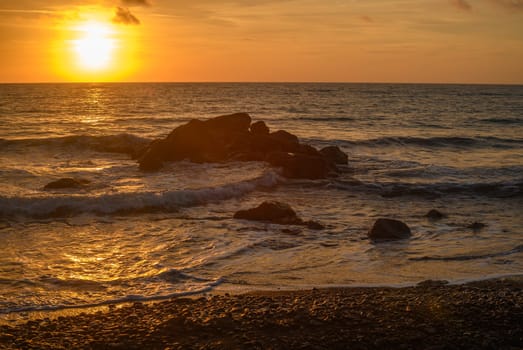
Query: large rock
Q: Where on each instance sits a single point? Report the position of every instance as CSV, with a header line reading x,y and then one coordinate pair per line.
x,y
233,138
197,141
277,213
236,122
389,229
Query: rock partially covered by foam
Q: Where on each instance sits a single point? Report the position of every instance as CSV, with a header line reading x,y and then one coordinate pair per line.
x,y
389,229
277,213
335,155
233,138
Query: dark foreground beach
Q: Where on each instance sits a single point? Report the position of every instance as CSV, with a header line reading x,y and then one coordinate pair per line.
x,y
432,315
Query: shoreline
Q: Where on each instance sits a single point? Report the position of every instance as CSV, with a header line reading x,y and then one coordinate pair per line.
x,y
481,314
15,318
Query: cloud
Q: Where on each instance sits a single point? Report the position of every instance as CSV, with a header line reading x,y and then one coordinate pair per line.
x,y
461,4
136,3
124,16
511,5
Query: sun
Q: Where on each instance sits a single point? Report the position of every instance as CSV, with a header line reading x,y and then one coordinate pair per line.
x,y
95,47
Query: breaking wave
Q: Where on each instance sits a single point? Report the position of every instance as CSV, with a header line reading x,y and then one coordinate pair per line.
x,y
516,250
494,190
118,143
440,141
129,203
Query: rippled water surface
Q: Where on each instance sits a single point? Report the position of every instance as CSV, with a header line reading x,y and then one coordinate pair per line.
x,y
130,235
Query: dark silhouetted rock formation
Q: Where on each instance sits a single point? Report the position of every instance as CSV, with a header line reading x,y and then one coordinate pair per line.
x,y
233,138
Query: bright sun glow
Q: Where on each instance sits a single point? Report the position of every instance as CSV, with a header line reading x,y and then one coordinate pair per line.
x,y
94,49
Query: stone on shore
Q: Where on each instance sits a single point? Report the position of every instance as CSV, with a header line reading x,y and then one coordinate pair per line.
x,y
389,229
478,315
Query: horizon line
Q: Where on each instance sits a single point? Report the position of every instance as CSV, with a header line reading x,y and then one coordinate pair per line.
x,y
261,82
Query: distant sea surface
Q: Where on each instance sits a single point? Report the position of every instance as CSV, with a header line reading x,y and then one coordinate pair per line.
x,y
130,235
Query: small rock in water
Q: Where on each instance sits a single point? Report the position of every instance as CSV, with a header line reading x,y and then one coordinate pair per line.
x,y
314,225
435,214
476,226
389,229
66,182
277,213
271,211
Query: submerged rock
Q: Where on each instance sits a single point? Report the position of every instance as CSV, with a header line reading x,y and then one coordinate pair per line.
x,y
476,226
277,213
66,182
435,214
389,229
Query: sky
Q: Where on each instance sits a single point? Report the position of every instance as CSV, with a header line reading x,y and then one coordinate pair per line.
x,y
404,41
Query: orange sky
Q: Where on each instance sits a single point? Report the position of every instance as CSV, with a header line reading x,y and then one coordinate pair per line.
x,y
442,41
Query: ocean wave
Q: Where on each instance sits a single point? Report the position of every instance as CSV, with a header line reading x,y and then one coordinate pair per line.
x,y
440,142
322,119
503,120
118,143
434,190
515,250
129,203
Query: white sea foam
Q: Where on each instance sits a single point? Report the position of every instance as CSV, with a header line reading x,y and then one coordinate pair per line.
x,y
137,202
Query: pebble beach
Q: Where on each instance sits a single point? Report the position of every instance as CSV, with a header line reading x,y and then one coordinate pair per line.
x,y
430,315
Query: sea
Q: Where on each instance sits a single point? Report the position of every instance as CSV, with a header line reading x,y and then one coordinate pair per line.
x,y
129,235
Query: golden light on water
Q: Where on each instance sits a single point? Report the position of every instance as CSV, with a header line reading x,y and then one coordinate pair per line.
x,y
95,48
